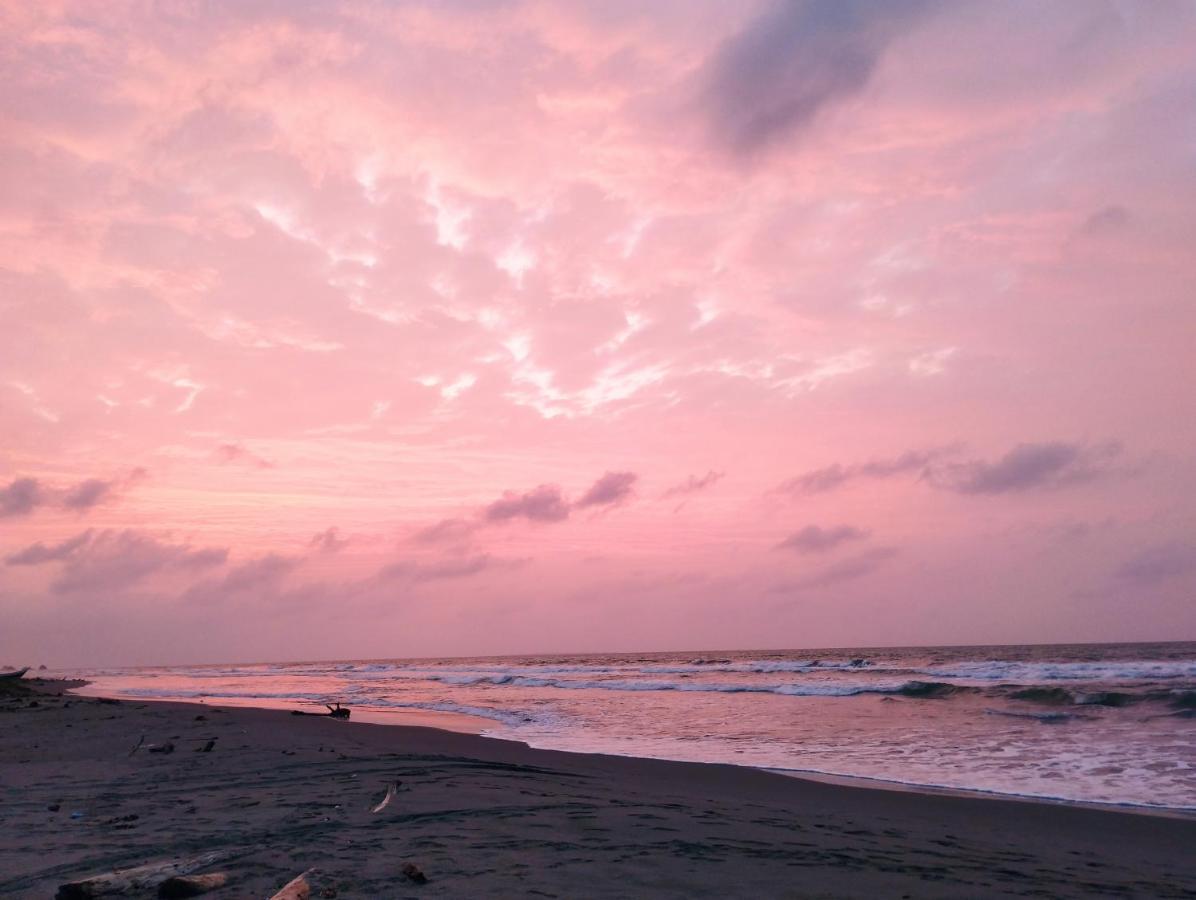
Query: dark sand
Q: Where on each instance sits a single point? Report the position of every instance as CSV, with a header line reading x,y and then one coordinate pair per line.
x,y
486,818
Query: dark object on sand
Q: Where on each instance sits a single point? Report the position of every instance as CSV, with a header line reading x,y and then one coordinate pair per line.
x,y
137,881
206,748
191,885
337,712
295,889
160,748
15,674
414,872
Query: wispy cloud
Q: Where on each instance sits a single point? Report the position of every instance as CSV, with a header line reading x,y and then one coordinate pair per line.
x,y
693,484
815,539
609,490
1029,467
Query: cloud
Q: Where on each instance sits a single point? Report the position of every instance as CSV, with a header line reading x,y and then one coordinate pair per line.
x,y
611,489
800,57
814,539
543,504
230,453
416,572
328,541
20,498
1107,220
24,495
693,484
1157,565
259,576
109,559
446,531
87,494
1028,467
831,477
847,570
39,553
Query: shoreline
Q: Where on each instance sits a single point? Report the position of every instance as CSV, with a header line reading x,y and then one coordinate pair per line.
x,y
462,723
486,817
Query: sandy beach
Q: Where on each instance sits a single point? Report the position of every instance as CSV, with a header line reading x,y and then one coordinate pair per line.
x,y
279,794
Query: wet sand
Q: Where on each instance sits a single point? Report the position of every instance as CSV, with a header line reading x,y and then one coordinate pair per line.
x,y
486,818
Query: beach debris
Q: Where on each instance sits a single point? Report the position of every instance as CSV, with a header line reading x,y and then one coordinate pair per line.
x,y
206,748
160,748
54,807
135,881
140,741
336,712
191,885
295,889
414,873
391,790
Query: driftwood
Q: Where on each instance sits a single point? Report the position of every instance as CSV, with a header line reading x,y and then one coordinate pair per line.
x,y
160,748
191,885
337,712
296,889
137,881
391,790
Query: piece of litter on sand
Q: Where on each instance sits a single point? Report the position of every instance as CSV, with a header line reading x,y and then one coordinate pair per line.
x,y
295,889
391,790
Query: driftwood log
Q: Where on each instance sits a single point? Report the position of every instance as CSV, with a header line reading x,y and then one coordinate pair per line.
x,y
295,889
191,885
137,881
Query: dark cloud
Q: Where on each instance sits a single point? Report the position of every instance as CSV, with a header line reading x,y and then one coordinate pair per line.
x,y
849,569
1028,467
20,497
772,79
612,488
39,553
693,484
1104,221
813,539
831,477
446,531
24,495
229,453
1159,564
110,560
87,494
328,541
543,504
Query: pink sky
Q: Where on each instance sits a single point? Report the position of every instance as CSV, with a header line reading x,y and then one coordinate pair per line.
x,y
396,328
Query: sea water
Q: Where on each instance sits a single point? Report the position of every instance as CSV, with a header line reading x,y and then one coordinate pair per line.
x,y
1112,723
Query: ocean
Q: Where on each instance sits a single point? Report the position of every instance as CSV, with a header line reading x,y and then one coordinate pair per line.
x,y
1108,724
